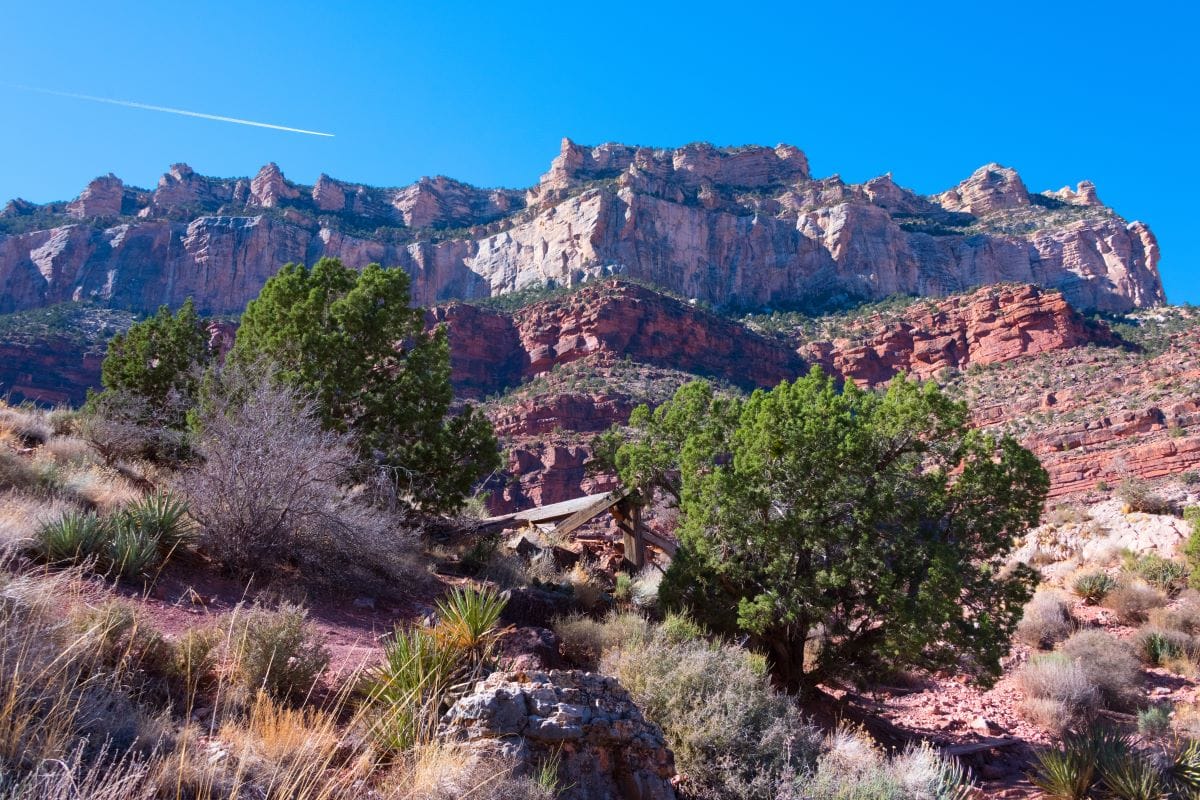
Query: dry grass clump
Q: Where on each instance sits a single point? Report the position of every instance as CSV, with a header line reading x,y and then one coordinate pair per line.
x,y
1133,601
1046,620
1058,692
584,640
1109,664
1183,615
27,425
851,765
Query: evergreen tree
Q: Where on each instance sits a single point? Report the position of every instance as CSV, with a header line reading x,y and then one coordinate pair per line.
x,y
157,364
847,532
352,342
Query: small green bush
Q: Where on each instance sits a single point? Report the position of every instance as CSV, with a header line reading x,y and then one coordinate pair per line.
x,y
278,652
1154,722
1093,586
1191,548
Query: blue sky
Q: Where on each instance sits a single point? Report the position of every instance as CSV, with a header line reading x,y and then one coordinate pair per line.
x,y
484,92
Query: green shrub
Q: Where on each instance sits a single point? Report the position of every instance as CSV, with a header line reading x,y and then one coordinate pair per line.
x,y
278,652
851,765
1093,586
1154,722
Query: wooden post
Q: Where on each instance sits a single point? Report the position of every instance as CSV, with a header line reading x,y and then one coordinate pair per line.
x,y
635,547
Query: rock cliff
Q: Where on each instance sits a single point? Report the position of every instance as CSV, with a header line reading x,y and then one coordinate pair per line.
x,y
740,227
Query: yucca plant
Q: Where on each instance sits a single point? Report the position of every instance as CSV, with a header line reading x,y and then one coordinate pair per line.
x,y
409,688
468,619
1132,776
1182,772
131,553
72,538
163,516
1065,774
1093,586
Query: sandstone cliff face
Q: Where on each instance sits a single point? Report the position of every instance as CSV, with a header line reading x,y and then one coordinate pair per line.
x,y
990,326
744,227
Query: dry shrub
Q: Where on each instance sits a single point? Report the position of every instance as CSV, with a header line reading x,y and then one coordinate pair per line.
x,y
440,771
27,425
732,734
588,591
21,516
1134,601
1109,664
1058,692
1183,615
67,451
584,640
122,427
1046,620
269,495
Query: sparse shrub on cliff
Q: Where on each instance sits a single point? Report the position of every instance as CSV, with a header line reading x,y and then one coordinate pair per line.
x,y
811,505
331,332
1093,586
1137,495
1046,620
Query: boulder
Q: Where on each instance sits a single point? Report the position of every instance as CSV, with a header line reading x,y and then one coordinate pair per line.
x,y
605,748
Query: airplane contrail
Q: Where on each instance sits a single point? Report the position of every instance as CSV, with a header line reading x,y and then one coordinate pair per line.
x,y
166,110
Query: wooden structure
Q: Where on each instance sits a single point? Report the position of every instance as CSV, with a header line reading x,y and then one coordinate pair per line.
x,y
561,519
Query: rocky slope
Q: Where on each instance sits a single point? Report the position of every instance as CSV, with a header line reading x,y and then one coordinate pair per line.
x,y
1096,407
740,227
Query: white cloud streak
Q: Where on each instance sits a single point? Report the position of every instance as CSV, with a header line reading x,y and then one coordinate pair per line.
x,y
166,110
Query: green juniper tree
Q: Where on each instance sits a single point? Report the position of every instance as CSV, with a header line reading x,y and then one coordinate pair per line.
x,y
351,341
846,532
157,365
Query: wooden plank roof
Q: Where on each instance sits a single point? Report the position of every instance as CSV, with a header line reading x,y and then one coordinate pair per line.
x,y
586,507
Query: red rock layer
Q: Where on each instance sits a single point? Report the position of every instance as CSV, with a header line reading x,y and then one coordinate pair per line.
x,y
990,326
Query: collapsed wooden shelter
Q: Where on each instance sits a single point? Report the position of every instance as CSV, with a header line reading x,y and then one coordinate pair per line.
x,y
561,519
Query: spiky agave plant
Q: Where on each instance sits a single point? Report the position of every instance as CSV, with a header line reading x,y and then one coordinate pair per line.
x,y
1132,776
131,553
1182,771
